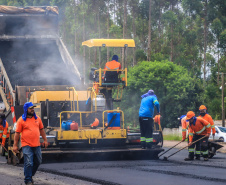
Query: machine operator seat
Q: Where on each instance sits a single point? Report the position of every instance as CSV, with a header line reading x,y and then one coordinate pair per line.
x,y
111,77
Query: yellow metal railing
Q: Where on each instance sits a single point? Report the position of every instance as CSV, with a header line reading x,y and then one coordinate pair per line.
x,y
100,71
78,112
93,95
73,102
117,111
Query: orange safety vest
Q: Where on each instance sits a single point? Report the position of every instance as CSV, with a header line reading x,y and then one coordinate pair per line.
x,y
208,118
112,65
201,127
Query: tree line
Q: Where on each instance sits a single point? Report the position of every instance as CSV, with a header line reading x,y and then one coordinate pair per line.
x,y
184,39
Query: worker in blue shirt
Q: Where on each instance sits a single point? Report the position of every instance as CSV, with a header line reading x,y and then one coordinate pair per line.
x,y
146,112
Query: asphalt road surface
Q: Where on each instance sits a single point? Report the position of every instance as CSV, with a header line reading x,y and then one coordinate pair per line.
x,y
174,171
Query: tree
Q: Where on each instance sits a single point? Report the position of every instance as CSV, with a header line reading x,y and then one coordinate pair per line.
x,y
177,91
149,32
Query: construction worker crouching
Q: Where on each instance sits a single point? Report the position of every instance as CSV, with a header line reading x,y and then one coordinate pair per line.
x,y
146,112
198,128
207,117
4,133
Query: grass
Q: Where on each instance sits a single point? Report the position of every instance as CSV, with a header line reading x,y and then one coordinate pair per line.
x,y
172,138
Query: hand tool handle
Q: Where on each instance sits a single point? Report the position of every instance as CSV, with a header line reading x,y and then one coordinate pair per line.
x,y
186,147
171,148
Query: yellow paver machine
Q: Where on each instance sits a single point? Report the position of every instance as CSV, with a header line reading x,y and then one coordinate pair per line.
x,y
81,123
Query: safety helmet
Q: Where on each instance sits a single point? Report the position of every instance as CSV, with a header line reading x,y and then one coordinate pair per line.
x,y
190,115
202,107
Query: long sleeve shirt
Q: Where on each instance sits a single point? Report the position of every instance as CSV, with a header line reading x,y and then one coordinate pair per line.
x,y
208,118
199,127
4,133
147,106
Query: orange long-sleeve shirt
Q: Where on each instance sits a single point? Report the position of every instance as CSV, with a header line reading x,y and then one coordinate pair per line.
x,y
184,125
157,119
208,118
201,127
4,133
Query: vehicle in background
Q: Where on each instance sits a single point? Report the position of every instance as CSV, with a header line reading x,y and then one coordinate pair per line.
x,y
220,135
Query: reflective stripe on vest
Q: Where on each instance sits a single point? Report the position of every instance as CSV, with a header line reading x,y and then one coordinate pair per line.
x,y
213,126
208,126
110,68
199,132
184,130
190,134
4,136
1,131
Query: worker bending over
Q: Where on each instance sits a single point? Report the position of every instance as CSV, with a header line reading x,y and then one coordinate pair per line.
x,y
146,112
197,129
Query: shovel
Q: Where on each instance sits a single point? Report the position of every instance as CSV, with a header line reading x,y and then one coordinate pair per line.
x,y
171,148
166,158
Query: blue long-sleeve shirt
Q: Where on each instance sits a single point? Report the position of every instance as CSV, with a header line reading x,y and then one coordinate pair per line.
x,y
147,106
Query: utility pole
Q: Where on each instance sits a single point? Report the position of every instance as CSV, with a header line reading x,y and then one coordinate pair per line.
x,y
223,112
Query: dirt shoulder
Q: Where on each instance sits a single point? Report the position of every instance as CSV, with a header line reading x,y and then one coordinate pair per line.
x,y
169,144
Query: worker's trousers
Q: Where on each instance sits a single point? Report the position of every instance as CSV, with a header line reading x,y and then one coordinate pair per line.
x,y
32,160
199,147
146,130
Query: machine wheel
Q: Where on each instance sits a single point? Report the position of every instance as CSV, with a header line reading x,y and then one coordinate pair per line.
x,y
212,151
15,160
221,139
9,160
160,143
2,150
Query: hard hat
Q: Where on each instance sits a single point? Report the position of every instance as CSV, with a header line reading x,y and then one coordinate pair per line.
x,y
202,107
190,115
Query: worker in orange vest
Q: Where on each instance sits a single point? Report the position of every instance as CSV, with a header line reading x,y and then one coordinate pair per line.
x,y
207,117
111,77
4,133
113,64
184,125
197,128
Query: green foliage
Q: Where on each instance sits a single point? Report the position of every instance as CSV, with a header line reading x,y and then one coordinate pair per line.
x,y
222,40
172,138
177,34
177,91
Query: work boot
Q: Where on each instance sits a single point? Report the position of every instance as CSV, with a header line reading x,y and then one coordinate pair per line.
x,y
197,158
189,159
143,144
29,183
149,145
206,159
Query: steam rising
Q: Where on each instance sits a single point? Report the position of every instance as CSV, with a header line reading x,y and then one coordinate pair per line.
x,y
33,59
